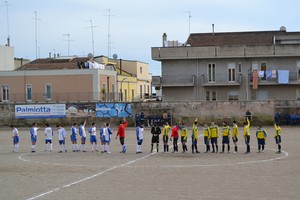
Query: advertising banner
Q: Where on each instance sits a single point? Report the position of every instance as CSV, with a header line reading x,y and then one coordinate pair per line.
x,y
40,111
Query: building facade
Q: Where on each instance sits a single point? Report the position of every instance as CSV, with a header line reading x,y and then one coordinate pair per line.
x,y
57,80
134,80
237,66
76,79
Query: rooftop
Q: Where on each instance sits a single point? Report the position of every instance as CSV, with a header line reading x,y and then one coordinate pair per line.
x,y
239,38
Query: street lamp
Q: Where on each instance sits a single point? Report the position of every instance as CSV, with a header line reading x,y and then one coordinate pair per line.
x,y
122,87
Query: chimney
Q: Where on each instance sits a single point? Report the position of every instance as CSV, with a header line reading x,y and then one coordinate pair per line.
x,y
213,29
164,39
54,55
58,55
49,54
8,42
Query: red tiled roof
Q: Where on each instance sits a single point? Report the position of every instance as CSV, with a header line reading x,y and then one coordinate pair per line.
x,y
234,38
53,63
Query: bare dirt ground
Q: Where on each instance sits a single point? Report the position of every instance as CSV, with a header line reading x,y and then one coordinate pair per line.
x,y
79,175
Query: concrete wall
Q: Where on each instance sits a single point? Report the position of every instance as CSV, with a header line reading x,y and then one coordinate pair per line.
x,y
6,58
211,52
263,112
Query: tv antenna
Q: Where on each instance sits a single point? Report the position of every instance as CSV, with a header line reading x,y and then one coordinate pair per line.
x,y
68,40
36,33
108,34
93,42
190,16
7,21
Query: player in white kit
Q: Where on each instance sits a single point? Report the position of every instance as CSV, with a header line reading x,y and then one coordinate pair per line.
x,y
48,137
61,132
15,138
82,133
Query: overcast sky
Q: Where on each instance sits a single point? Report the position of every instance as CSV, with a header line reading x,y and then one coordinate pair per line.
x,y
135,25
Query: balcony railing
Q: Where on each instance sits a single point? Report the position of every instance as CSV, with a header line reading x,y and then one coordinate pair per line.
x,y
70,97
221,79
294,79
173,81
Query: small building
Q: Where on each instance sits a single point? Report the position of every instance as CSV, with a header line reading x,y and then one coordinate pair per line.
x,y
230,66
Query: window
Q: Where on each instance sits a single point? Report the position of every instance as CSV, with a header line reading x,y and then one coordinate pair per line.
x,y
141,91
48,91
298,71
141,70
263,67
240,67
231,72
125,94
5,93
298,94
262,95
148,89
211,95
233,96
132,95
211,67
28,92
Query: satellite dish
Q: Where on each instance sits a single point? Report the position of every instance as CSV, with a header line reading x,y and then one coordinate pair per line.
x,y
282,28
90,55
115,56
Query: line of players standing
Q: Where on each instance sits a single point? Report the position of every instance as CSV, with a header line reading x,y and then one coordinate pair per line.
x,y
105,137
211,134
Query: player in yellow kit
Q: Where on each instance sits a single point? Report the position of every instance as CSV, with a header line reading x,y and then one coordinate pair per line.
x,y
165,133
261,135
235,135
195,137
183,134
277,137
226,136
214,134
247,135
206,133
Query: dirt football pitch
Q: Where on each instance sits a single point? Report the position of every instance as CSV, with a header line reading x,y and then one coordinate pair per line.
x,y
131,176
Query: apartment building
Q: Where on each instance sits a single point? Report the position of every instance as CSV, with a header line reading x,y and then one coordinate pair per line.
x,y
225,66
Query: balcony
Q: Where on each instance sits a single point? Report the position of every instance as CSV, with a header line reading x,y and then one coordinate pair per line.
x,y
174,81
221,80
294,79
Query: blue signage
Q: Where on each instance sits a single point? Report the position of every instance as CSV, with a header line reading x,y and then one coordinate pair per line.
x,y
113,110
